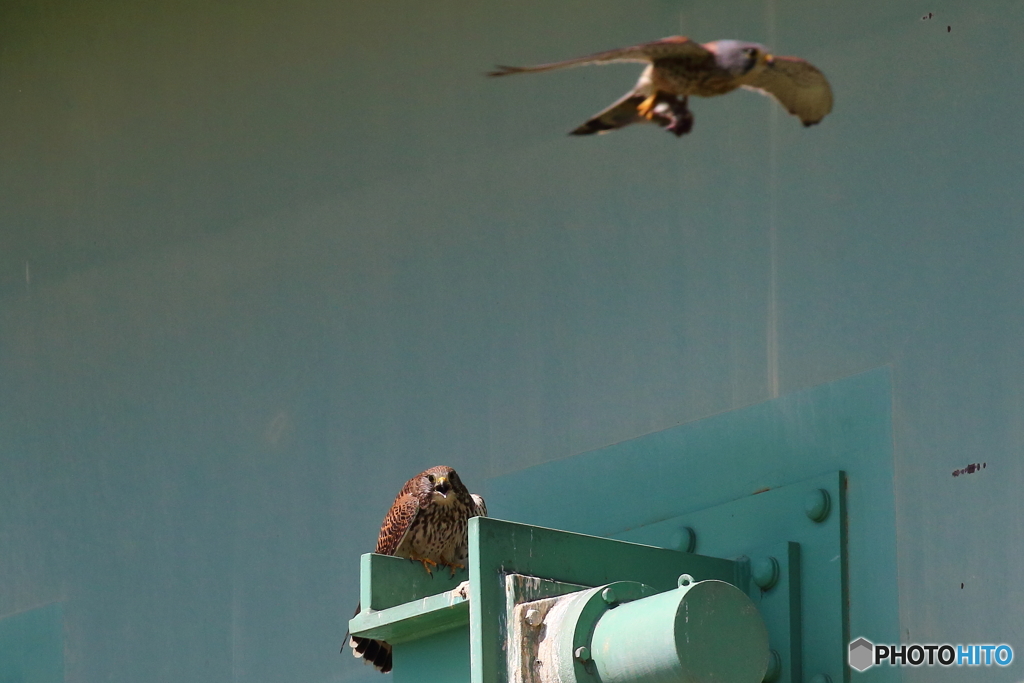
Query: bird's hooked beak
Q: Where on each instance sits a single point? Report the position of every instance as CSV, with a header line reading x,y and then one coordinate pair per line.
x,y
442,486
769,59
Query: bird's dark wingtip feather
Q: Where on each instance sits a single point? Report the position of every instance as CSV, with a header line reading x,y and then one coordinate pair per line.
x,y
591,127
502,70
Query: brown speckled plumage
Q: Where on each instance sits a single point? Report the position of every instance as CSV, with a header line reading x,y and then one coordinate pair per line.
x,y
427,523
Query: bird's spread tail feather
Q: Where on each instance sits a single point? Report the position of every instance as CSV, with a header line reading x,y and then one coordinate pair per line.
x,y
376,652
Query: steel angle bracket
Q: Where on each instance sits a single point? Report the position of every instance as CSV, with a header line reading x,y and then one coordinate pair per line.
x,y
400,602
792,541
499,549
785,548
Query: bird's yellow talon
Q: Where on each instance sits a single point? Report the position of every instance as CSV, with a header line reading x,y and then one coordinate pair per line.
x,y
426,563
646,108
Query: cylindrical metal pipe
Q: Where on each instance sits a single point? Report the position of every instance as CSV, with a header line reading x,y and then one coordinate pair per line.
x,y
707,632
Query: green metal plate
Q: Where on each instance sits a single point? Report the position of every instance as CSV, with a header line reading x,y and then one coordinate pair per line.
x,y
760,526
844,426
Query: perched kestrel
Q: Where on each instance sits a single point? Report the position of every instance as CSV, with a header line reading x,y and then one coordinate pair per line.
x,y
678,67
426,523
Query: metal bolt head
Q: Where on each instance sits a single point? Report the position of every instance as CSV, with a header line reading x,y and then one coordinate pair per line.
x,y
608,595
765,572
583,653
771,674
533,617
684,539
817,505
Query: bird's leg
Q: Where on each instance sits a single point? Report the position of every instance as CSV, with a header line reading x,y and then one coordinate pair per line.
x,y
425,562
453,566
646,108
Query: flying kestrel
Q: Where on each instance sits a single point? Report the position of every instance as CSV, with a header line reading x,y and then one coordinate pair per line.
x,y
426,523
678,67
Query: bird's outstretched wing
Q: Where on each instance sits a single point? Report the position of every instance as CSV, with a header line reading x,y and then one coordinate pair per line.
x,y
673,46
621,113
797,85
397,523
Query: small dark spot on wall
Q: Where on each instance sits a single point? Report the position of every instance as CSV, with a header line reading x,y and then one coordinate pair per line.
x,y
970,469
948,29
927,17
961,586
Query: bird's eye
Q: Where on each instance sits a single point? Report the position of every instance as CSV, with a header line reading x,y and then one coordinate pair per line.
x,y
751,51
430,478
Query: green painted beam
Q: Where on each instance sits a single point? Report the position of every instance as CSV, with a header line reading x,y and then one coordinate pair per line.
x,y
386,581
413,620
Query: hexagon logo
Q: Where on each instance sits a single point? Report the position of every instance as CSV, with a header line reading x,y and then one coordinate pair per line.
x,y
862,654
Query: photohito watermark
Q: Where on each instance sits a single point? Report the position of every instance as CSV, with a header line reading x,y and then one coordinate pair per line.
x,y
864,654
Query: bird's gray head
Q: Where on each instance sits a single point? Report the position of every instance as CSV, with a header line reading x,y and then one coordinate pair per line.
x,y
737,57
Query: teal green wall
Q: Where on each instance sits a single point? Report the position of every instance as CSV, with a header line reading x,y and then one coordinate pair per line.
x,y
32,646
259,263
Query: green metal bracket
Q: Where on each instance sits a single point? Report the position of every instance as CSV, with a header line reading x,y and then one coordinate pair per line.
x,y
802,526
402,603
499,548
845,425
786,548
